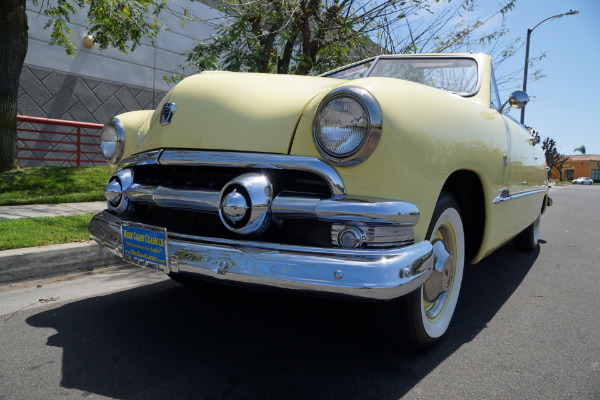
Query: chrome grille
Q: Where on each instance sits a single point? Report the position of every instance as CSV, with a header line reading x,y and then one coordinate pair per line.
x,y
185,192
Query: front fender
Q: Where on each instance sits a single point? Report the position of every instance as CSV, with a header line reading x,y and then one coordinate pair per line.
x,y
427,135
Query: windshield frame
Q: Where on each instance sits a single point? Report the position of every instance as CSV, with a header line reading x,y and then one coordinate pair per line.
x,y
375,60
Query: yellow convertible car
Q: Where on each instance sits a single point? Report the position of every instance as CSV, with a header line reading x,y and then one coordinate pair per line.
x,y
378,181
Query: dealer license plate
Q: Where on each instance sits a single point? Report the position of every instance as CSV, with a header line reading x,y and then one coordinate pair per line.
x,y
145,245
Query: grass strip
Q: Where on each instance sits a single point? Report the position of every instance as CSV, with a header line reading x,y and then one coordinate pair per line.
x,y
30,232
51,185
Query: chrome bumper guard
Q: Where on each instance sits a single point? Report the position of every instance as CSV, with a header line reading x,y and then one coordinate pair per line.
x,y
377,274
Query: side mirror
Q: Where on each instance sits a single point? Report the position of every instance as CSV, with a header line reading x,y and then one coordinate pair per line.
x,y
516,100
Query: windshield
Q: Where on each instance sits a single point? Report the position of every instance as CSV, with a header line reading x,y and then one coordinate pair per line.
x,y
458,75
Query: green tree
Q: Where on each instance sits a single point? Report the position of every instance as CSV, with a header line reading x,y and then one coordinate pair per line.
x,y
313,36
117,23
13,47
580,149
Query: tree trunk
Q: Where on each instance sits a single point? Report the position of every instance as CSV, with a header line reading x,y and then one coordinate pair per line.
x,y
283,67
13,47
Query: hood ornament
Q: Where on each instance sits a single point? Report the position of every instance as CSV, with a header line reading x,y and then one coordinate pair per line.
x,y
167,113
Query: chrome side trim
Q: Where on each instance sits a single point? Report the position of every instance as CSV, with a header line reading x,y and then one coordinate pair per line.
x,y
378,274
501,198
255,160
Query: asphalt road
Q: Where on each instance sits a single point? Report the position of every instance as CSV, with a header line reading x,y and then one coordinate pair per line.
x,y
526,327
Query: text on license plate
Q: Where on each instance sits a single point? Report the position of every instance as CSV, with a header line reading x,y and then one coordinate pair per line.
x,y
145,245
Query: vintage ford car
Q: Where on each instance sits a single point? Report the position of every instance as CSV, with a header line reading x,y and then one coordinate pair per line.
x,y
377,181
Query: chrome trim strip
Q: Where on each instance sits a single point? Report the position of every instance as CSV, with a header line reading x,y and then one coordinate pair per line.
x,y
379,274
501,199
255,160
284,207
333,71
372,66
197,200
397,212
147,158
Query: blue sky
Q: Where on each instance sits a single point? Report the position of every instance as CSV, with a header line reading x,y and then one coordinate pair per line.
x,y
564,100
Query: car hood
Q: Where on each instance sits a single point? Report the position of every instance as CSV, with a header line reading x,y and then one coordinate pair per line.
x,y
234,111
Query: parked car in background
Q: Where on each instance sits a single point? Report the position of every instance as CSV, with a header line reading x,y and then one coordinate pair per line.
x,y
582,181
378,181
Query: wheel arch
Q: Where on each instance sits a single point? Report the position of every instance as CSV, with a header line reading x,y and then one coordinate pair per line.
x,y
467,189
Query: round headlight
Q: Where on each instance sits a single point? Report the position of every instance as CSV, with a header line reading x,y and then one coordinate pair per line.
x,y
347,125
342,126
112,141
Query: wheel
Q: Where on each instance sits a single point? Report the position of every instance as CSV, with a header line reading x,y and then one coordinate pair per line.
x,y
419,320
528,239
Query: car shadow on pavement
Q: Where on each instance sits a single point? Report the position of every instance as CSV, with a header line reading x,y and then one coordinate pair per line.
x,y
167,341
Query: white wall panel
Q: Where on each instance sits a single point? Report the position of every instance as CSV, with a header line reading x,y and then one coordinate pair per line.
x,y
90,65
142,67
168,61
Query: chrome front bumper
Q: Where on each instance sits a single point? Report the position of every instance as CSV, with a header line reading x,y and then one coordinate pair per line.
x,y
379,274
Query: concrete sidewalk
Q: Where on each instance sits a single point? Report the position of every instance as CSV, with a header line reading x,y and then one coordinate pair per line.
x,y
51,210
47,261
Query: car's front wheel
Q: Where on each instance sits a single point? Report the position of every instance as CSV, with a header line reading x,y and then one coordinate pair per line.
x,y
419,320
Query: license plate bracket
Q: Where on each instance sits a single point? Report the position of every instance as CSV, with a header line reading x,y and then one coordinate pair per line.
x,y
145,245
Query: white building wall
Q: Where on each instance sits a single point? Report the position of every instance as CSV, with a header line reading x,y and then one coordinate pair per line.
x,y
144,67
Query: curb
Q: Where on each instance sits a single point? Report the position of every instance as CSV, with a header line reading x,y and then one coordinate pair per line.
x,y
48,261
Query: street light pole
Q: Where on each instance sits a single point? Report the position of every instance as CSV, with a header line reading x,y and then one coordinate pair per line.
x,y
571,12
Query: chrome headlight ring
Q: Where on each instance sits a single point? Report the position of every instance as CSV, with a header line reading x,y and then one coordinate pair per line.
x,y
372,128
112,141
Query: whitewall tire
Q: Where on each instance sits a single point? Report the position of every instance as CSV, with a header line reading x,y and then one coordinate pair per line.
x,y
420,319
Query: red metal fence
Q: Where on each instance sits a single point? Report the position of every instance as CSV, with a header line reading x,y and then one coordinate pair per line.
x,y
46,145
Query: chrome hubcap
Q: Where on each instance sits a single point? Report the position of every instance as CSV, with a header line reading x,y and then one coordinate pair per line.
x,y
442,275
438,287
